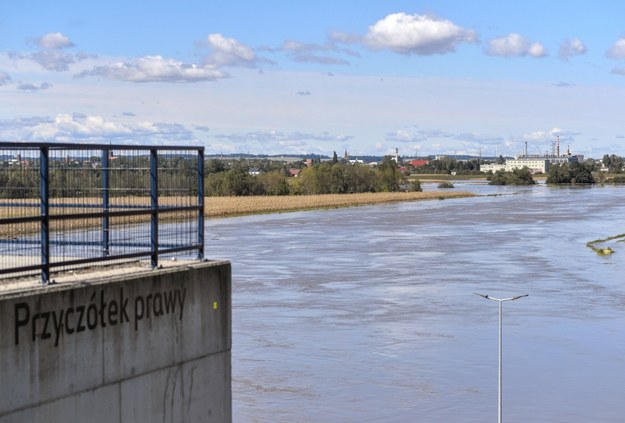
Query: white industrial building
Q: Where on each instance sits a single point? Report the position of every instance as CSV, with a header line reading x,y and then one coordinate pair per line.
x,y
535,163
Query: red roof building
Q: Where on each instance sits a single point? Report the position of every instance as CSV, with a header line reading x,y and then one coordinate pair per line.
x,y
419,162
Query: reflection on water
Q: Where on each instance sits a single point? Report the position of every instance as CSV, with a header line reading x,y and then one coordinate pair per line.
x,y
368,313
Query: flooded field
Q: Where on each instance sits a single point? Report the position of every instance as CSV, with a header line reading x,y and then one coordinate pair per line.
x,y
367,314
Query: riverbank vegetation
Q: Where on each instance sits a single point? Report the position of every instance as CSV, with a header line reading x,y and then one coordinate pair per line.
x,y
233,206
449,166
330,177
515,177
570,173
213,207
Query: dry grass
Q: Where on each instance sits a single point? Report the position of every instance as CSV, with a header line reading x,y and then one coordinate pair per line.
x,y
214,207
232,206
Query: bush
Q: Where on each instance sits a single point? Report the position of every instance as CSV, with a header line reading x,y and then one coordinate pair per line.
x,y
445,184
516,177
573,173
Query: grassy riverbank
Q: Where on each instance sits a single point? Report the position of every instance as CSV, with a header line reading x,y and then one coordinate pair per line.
x,y
234,206
213,206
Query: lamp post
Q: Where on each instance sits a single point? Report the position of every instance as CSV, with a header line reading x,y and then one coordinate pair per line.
x,y
500,301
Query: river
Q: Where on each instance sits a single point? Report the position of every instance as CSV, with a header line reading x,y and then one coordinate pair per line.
x,y
368,314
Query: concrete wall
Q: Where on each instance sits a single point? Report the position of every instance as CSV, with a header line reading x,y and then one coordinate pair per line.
x,y
148,346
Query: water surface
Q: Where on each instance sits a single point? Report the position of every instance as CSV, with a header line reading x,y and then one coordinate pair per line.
x,y
367,314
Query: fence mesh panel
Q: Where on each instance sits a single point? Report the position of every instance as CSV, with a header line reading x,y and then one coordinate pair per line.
x,y
62,206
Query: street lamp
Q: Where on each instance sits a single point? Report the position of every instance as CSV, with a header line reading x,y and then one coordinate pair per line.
x,y
500,301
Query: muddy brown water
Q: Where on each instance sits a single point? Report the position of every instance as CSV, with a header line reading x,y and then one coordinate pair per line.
x,y
367,314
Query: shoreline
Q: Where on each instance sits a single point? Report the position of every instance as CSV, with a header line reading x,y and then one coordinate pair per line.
x,y
218,207
215,207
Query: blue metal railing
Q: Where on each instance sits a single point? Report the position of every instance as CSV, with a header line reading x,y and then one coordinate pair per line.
x,y
116,191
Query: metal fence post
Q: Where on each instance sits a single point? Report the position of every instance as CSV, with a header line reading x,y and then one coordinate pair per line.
x,y
75,228
44,200
154,207
106,185
200,201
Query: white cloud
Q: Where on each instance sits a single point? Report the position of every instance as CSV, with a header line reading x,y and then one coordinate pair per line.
x,y
476,137
406,136
343,37
309,53
278,142
155,69
4,78
54,40
229,52
515,45
54,60
564,84
282,137
416,135
571,47
322,60
618,71
416,34
32,87
617,51
85,128
541,136
537,50
50,54
225,52
70,127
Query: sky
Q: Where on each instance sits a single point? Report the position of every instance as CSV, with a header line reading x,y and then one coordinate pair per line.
x,y
313,77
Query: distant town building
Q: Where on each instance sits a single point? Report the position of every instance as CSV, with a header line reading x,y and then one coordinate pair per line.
x,y
419,162
535,163
493,167
395,158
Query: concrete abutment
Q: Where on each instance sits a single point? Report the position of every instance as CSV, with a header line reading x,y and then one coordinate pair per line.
x,y
144,345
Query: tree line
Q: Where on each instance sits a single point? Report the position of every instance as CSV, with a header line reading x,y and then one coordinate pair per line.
x,y
329,177
177,176
130,176
565,173
84,178
447,165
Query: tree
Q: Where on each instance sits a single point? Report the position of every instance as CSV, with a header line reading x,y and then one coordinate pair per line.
x,y
559,174
581,174
359,178
616,164
273,183
591,165
613,162
516,177
214,166
389,176
573,173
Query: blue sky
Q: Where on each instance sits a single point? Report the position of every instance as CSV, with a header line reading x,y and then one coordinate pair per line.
x,y
297,77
